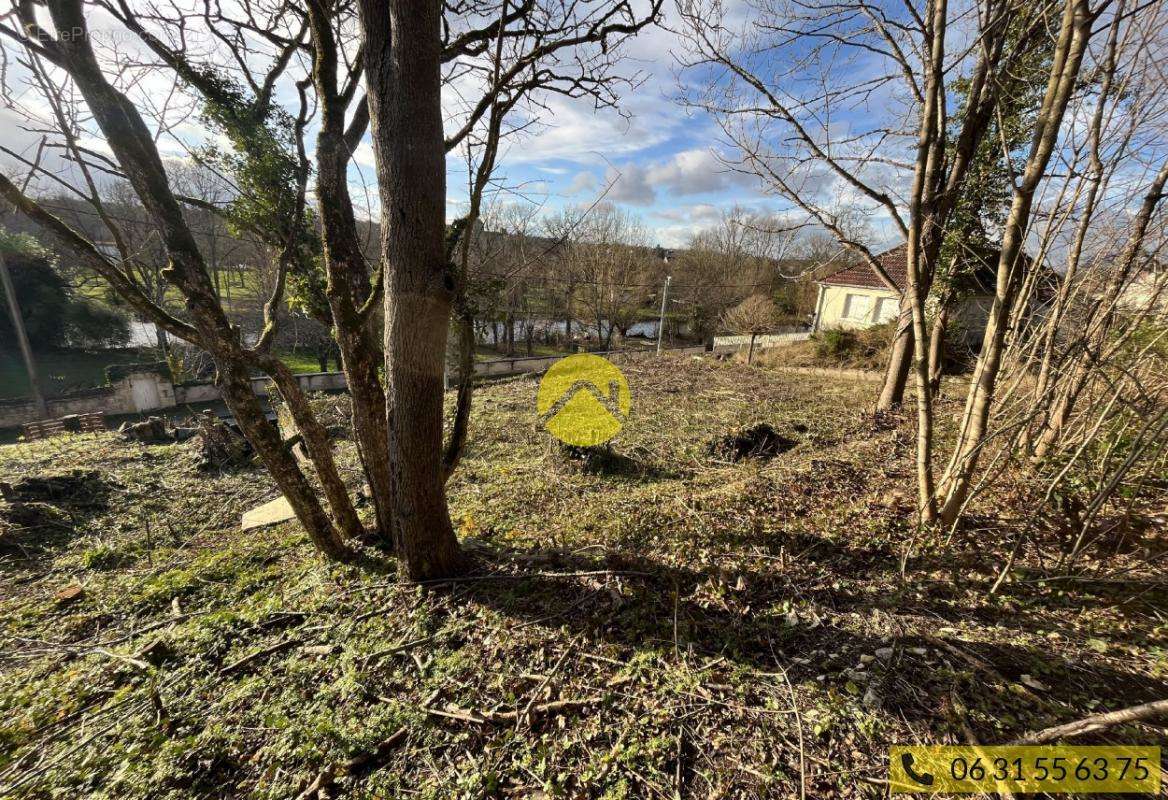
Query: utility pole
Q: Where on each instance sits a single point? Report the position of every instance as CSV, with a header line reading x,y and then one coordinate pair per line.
x,y
38,397
661,319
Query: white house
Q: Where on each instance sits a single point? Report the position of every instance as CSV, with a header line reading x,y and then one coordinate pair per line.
x,y
853,296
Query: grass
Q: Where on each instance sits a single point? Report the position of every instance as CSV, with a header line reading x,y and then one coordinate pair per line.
x,y
865,348
68,370
62,371
302,360
676,608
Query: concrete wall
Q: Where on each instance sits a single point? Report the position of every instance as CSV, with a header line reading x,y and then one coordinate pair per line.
x,y
17,412
186,393
127,395
727,344
521,365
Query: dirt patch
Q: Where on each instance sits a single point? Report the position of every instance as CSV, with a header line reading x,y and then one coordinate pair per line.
x,y
758,442
29,515
597,460
40,508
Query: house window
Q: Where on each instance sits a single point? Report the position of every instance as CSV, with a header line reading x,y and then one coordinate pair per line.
x,y
887,309
858,307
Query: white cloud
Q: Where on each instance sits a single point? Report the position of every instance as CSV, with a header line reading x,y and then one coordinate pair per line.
x,y
696,171
583,182
572,130
683,174
630,184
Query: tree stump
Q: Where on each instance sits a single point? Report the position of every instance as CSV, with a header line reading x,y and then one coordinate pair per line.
x,y
220,447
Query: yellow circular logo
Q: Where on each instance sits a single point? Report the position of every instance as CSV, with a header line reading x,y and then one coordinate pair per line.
x,y
583,400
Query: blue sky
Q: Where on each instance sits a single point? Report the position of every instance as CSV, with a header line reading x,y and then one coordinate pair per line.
x,y
654,157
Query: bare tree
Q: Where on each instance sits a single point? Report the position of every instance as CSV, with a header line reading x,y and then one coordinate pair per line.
x,y
1076,29
755,315
727,262
512,53
117,119
787,73
611,258
567,48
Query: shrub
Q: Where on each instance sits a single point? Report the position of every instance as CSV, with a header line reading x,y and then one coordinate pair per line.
x,y
866,348
835,343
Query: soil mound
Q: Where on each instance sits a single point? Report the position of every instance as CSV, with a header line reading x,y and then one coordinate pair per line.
x,y
758,442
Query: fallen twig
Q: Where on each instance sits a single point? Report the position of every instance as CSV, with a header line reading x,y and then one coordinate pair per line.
x,y
134,662
236,666
547,679
799,730
1097,722
162,623
507,717
397,648
362,763
984,666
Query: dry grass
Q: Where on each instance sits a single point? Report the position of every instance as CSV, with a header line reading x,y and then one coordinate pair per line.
x,y
645,631
865,349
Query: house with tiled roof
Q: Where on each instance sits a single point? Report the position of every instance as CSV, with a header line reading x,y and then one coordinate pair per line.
x,y
852,295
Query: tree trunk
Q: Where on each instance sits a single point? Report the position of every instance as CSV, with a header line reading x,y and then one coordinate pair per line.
x,y
138,156
937,344
920,250
1073,38
348,287
370,427
461,425
1102,316
750,351
403,45
568,317
319,448
899,360
235,385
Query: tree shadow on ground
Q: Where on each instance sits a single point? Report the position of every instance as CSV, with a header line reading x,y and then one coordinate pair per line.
x,y
634,603
41,513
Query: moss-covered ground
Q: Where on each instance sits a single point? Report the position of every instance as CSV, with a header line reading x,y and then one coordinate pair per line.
x,y
667,625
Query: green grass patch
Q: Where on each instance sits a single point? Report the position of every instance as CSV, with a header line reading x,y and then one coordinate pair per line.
x,y
64,370
641,634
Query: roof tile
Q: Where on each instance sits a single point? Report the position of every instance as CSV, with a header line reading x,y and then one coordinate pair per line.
x,y
860,274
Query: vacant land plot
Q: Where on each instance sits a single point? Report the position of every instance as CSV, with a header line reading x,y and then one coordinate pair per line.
x,y
660,621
